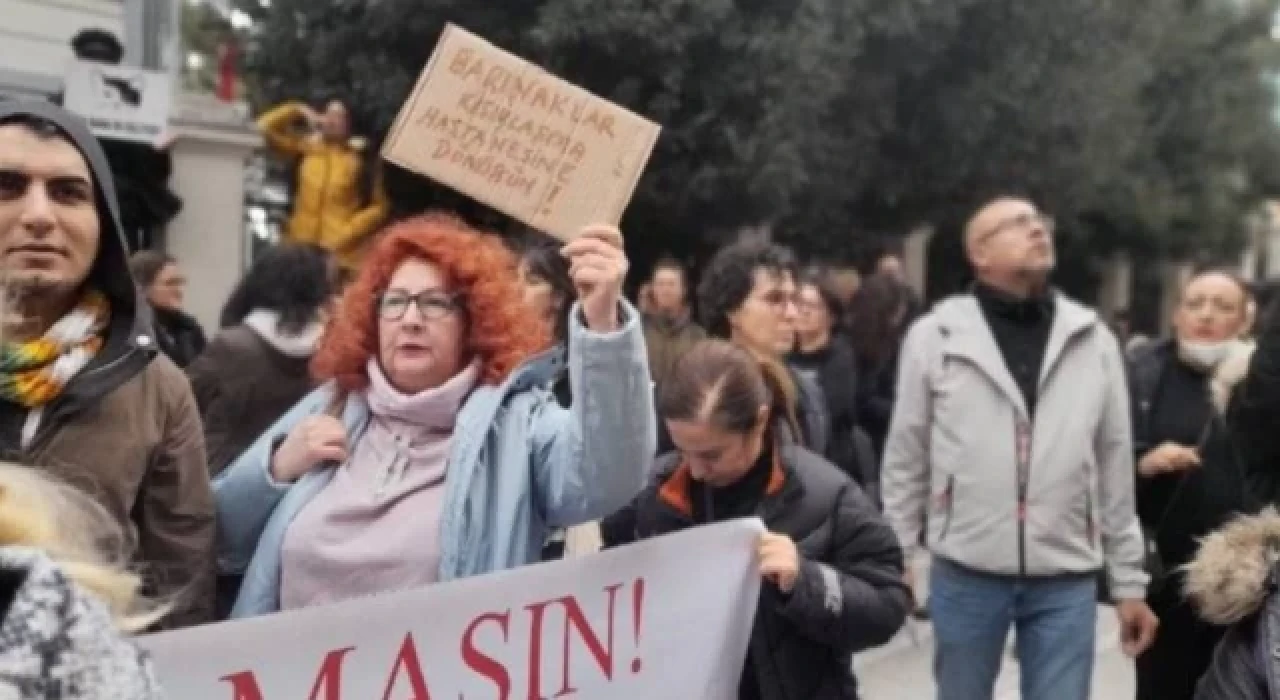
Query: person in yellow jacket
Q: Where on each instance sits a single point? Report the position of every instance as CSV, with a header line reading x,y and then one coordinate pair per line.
x,y
333,207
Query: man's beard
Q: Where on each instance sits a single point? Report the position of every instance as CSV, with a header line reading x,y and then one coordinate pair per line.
x,y
26,297
28,286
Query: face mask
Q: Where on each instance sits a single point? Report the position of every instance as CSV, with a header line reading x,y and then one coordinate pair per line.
x,y
1203,356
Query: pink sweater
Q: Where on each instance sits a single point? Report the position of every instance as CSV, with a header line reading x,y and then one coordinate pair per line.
x,y
375,527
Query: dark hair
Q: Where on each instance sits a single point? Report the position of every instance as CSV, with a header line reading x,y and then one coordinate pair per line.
x,y
370,177
726,384
873,319
293,280
666,262
145,266
730,277
542,258
41,127
820,280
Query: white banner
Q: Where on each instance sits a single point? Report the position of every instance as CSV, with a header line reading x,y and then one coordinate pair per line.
x,y
665,618
119,102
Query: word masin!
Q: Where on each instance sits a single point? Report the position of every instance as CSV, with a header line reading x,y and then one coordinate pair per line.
x,y
550,630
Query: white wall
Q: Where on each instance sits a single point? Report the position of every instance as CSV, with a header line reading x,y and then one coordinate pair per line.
x,y
208,238
1116,285
35,36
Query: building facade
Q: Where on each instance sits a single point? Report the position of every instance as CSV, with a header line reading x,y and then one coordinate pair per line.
x,y
35,40
212,141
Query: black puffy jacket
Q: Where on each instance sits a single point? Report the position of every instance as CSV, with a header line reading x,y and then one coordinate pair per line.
x,y
1233,581
849,595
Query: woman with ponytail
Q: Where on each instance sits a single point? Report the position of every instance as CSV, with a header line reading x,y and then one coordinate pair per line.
x,y
832,568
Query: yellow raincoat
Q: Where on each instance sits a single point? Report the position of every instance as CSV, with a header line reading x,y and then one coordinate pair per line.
x,y
327,207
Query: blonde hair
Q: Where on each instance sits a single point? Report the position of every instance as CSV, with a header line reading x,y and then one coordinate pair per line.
x,y
79,535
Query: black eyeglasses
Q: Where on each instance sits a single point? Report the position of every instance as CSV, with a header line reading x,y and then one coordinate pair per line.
x,y
433,306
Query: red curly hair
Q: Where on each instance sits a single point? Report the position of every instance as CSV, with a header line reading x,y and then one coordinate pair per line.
x,y
500,330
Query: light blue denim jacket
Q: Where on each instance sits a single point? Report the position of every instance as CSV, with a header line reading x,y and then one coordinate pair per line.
x,y
519,465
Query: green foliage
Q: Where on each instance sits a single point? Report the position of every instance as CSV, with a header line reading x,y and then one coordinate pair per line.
x,y
1147,125
1208,149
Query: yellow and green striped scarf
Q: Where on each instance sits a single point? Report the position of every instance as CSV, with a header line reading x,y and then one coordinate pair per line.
x,y
34,372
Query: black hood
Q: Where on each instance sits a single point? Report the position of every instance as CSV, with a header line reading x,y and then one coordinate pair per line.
x,y
110,273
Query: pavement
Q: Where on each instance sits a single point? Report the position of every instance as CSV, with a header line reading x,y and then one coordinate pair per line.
x,y
902,669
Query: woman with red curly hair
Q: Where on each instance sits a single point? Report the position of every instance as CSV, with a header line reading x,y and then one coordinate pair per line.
x,y
433,451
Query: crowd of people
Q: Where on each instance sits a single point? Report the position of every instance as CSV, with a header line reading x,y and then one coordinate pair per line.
x,y
448,405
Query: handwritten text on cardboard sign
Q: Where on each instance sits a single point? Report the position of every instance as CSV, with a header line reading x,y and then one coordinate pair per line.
x,y
507,133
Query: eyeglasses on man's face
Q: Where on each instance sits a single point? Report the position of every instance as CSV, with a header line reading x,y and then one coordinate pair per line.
x,y
1024,222
432,305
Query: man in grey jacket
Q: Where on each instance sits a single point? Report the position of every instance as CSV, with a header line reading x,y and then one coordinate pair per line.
x,y
1011,435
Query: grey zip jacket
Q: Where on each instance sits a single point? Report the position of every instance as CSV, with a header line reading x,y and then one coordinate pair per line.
x,y
1003,495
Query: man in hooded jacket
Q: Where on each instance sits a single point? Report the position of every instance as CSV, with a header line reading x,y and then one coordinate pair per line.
x,y
84,394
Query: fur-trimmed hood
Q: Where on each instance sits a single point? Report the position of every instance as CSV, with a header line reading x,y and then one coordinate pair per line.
x,y
1234,571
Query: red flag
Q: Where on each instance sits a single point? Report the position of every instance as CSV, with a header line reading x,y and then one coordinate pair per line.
x,y
227,71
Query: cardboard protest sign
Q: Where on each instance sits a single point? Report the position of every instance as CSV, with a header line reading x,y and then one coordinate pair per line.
x,y
119,102
503,131
665,618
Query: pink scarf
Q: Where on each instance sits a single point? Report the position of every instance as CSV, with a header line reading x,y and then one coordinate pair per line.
x,y
375,527
433,410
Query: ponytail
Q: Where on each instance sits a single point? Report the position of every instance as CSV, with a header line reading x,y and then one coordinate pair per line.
x,y
737,380
783,395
